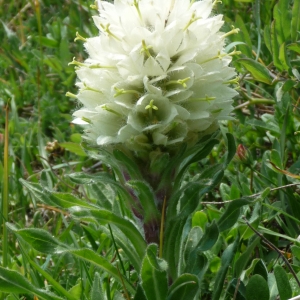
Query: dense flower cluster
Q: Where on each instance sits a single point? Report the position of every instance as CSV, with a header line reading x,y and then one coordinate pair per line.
x,y
156,75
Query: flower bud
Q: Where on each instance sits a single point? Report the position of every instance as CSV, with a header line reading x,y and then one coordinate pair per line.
x,y
243,155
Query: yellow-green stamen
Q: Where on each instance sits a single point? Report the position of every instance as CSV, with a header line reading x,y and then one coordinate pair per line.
x,y
88,88
105,107
150,107
107,30
220,56
145,49
233,31
86,120
206,99
180,81
76,63
94,6
120,92
68,94
233,81
191,21
216,2
79,37
136,5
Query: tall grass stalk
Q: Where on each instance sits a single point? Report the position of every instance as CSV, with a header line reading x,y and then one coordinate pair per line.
x,y
5,194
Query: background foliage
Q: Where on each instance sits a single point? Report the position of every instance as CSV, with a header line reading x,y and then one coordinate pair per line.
x,y
243,249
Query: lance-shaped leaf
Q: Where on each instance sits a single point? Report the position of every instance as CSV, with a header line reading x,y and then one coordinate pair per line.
x,y
14,282
106,217
154,275
146,196
231,214
186,286
257,70
39,239
99,261
226,260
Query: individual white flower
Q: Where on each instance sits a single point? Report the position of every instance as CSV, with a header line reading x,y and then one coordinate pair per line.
x,y
156,75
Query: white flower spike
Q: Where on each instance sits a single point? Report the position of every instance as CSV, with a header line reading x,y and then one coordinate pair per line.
x,y
156,76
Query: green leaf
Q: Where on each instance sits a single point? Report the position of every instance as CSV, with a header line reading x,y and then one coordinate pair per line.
x,y
295,24
244,36
74,148
231,214
296,251
146,196
192,240
96,291
173,235
97,260
275,46
197,264
195,157
210,237
199,219
282,18
257,70
50,43
154,275
295,46
276,159
261,270
267,37
272,286
270,126
257,288
101,178
107,217
14,282
130,165
66,200
185,287
283,284
76,290
39,239
231,148
226,260
140,294
188,196
283,57
38,192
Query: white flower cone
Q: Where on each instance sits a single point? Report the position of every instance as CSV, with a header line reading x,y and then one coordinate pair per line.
x,y
156,75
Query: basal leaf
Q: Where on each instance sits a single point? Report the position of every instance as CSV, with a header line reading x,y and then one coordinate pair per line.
x,y
107,217
14,282
99,261
39,239
154,275
96,291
